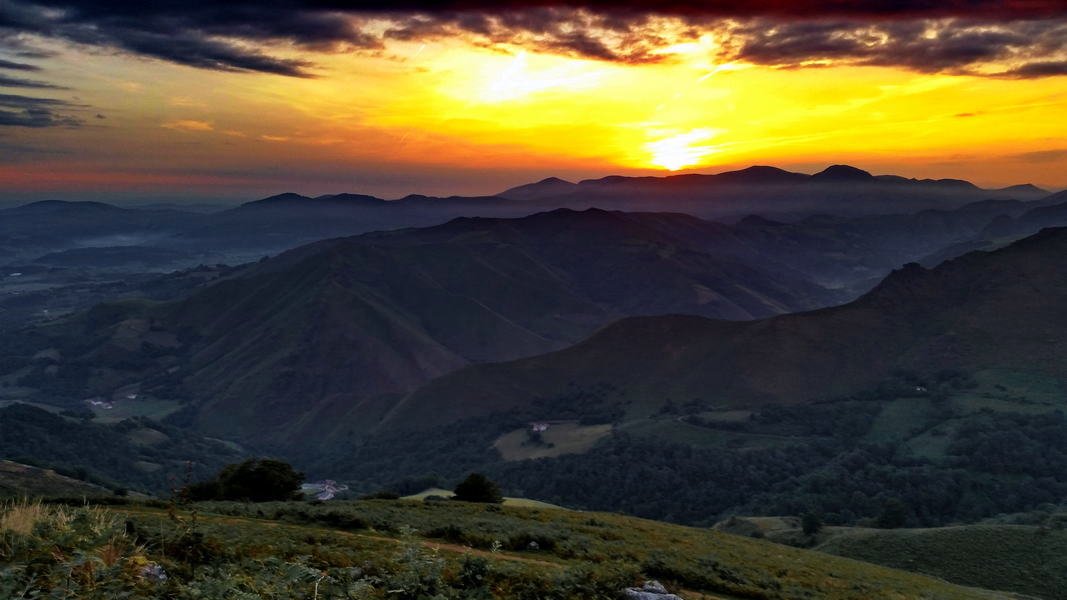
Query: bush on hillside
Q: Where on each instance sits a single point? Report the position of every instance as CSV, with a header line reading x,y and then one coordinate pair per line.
x,y
254,480
811,523
478,488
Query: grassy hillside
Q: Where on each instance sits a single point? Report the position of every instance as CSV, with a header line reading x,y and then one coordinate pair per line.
x,y
1020,558
24,481
402,549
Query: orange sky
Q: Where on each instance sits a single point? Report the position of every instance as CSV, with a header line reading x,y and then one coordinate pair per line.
x,y
450,115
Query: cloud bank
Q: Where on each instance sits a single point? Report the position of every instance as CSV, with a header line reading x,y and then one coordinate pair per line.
x,y
1004,38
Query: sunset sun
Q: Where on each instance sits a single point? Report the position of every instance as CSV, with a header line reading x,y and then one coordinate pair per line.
x,y
682,150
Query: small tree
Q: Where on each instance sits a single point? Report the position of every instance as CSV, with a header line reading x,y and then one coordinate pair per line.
x,y
811,523
894,514
478,488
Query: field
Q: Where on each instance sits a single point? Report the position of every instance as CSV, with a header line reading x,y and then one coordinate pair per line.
x,y
557,440
126,409
412,550
508,501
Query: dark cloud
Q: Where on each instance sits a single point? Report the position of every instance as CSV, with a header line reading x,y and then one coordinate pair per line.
x,y
6,81
212,35
1040,69
16,66
240,35
26,111
947,45
554,30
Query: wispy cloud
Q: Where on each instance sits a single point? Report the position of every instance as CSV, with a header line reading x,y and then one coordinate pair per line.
x,y
17,66
26,111
190,125
19,82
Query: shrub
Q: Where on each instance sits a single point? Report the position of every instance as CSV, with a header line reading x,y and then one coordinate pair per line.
x,y
894,514
478,488
811,523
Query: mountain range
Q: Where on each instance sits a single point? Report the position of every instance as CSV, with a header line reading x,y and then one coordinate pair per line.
x,y
283,221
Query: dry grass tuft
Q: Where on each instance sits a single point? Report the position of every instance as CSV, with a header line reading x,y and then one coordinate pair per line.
x,y
22,516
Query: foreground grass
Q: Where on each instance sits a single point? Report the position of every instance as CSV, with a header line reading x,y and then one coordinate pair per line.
x,y
408,550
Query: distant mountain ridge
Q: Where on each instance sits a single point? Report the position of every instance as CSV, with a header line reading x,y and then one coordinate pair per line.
x,y
283,221
759,176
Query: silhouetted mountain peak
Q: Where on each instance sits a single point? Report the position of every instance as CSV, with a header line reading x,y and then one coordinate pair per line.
x,y
1023,188
949,183
549,186
284,197
349,198
290,199
842,173
45,206
760,174
553,181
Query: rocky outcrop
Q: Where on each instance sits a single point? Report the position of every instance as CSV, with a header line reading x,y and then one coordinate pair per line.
x,y
652,590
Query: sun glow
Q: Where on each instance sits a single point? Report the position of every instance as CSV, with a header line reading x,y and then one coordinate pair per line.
x,y
682,150
519,79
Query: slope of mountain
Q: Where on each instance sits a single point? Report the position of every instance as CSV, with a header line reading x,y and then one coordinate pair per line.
x,y
135,453
335,328
1051,213
24,481
1004,309
550,186
854,253
1020,558
1027,558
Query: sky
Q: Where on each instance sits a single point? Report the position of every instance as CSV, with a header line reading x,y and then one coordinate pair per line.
x,y
203,101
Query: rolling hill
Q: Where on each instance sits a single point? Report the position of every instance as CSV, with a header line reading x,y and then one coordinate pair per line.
x,y
24,481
